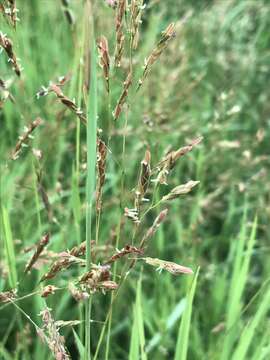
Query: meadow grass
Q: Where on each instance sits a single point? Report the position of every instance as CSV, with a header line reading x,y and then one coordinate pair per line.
x,y
208,79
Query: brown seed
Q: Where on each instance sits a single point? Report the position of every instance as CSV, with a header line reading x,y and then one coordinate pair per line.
x,y
128,249
39,248
8,296
166,36
120,37
104,59
48,290
25,137
7,45
123,96
101,167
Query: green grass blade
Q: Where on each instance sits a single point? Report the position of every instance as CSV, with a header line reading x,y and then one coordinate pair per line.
x,y
79,345
139,319
134,340
183,334
242,261
91,161
9,248
249,331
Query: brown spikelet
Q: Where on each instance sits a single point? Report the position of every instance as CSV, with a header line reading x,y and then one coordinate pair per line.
x,y
67,102
173,156
152,230
169,161
25,137
136,8
7,296
93,279
169,266
48,290
52,336
13,12
120,37
76,293
79,250
70,104
123,96
103,49
39,248
61,264
128,249
143,181
101,167
7,45
167,35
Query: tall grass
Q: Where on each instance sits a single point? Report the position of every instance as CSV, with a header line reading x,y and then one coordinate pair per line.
x,y
211,79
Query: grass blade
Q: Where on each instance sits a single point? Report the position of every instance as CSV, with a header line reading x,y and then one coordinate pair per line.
x,y
182,339
9,248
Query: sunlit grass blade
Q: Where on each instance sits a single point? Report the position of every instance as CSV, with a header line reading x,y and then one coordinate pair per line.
x,y
183,334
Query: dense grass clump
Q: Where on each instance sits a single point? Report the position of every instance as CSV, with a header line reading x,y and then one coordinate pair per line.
x,y
134,179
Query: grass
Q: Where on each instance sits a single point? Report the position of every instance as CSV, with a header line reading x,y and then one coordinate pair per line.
x,y
210,80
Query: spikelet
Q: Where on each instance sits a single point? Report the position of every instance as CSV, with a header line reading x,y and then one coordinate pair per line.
x,y
70,104
101,167
48,290
167,35
128,249
169,266
152,230
25,137
10,11
50,332
7,45
39,248
143,181
103,49
8,296
76,293
180,190
98,278
136,8
120,37
167,164
123,96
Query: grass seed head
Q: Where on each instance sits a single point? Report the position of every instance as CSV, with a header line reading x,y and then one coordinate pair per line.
x,y
169,266
39,248
103,49
7,45
166,36
180,190
121,101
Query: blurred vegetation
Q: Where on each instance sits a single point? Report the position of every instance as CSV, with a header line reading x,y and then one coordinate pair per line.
x,y
212,80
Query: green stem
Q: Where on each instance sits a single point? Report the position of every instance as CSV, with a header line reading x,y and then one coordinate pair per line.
x,y
91,164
